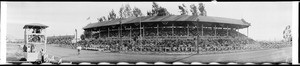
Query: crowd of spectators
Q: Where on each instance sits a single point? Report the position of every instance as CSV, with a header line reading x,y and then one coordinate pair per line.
x,y
66,39
208,31
235,41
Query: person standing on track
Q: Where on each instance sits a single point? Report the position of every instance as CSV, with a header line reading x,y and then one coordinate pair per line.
x,y
42,53
79,49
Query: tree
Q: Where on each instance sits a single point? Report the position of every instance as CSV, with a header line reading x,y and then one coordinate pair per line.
x,y
193,9
82,36
137,12
155,8
127,11
87,34
163,12
202,9
121,12
112,15
183,10
103,17
287,35
100,19
158,10
149,13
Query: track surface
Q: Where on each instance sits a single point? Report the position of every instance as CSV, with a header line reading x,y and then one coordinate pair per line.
x,y
269,55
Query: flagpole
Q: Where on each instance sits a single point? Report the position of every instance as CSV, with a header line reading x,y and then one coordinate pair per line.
x,y
76,35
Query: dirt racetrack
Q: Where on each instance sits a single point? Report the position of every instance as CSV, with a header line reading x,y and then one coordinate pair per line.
x,y
269,55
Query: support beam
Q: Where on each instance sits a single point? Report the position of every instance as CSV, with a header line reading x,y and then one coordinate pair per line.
x,y
130,33
215,30
238,32
202,29
157,32
222,29
99,34
91,35
227,31
197,30
188,31
173,29
107,32
119,32
143,30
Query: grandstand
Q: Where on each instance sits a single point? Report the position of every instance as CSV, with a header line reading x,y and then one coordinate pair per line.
x,y
167,33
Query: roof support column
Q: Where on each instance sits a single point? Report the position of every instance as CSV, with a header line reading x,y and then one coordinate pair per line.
x,y
107,32
91,35
99,34
143,30
157,32
215,30
238,32
188,31
173,29
119,33
227,31
130,33
202,29
197,30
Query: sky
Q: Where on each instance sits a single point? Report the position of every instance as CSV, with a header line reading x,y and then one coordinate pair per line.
x,y
268,19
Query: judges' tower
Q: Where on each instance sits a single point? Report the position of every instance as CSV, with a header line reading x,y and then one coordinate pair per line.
x,y
35,41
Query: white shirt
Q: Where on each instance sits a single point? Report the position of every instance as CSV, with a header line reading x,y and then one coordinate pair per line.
x,y
28,49
79,47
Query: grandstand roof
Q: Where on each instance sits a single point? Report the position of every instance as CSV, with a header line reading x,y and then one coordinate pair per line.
x,y
35,25
170,18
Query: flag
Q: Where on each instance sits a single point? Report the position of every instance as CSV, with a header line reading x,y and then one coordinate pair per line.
x,y
88,18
